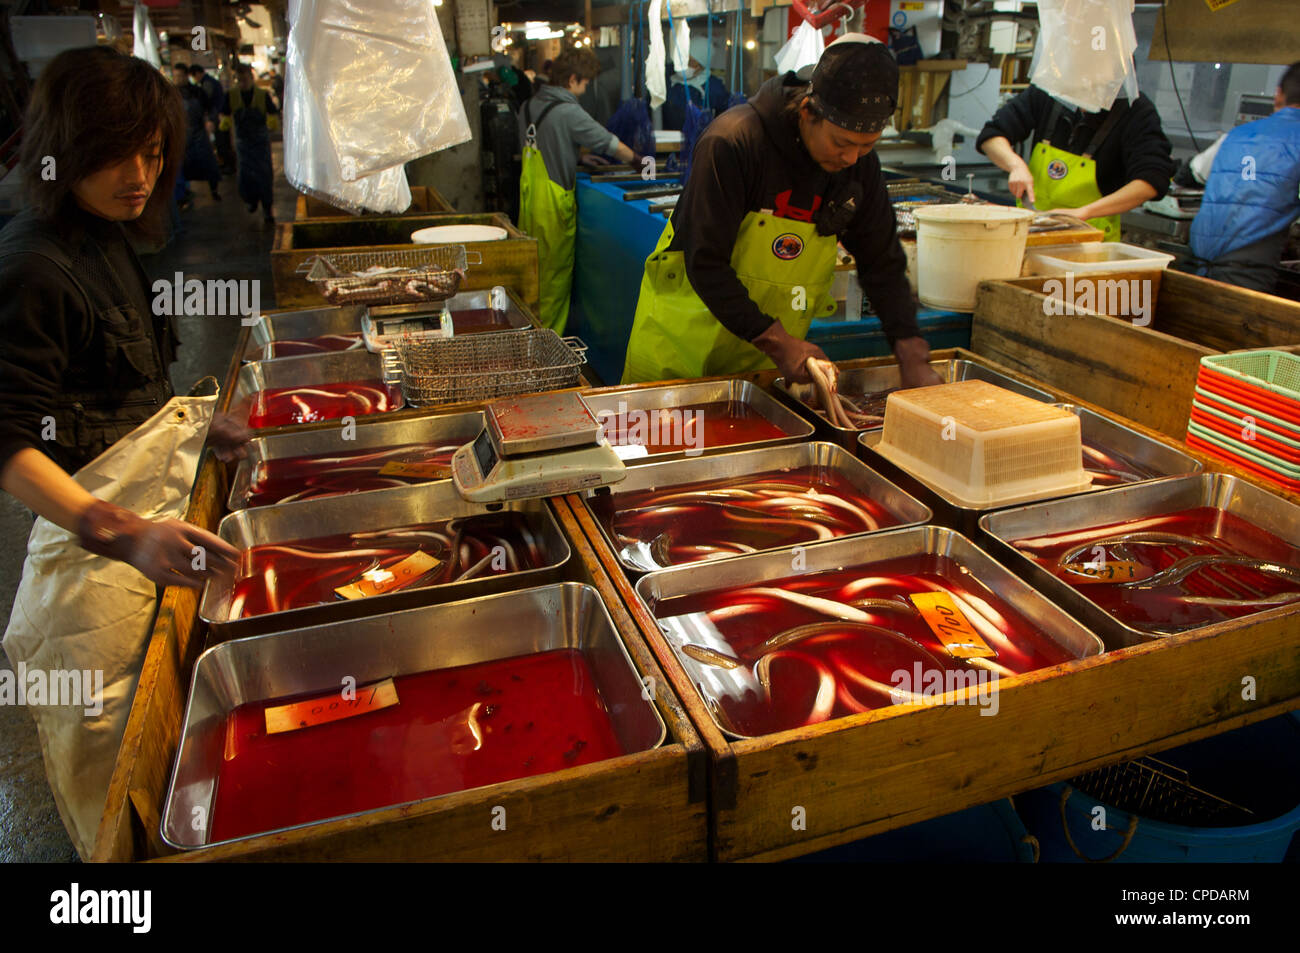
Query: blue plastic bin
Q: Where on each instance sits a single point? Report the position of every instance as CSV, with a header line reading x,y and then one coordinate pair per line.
x,y
1257,767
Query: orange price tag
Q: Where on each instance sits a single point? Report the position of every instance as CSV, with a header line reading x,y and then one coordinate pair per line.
x,y
332,707
425,469
1088,573
376,582
953,629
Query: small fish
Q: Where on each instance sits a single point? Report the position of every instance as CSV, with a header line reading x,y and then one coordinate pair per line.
x,y
702,653
661,549
893,604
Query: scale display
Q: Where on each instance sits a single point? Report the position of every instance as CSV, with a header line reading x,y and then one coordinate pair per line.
x,y
545,445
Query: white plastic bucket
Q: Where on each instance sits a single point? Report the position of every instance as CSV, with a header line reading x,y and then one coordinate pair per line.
x,y
958,246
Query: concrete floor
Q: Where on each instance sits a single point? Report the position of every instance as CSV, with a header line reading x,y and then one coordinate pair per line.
x,y
218,240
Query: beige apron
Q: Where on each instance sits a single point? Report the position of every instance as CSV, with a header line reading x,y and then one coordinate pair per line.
x,y
78,612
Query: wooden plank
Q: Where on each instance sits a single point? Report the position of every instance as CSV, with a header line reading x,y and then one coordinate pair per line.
x,y
149,742
1225,317
425,200
1136,372
1260,31
1065,236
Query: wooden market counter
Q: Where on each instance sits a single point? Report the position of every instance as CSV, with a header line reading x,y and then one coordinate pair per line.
x,y
704,796
649,806
881,770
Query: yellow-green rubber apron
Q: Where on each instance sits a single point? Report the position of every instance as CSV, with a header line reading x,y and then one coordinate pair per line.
x,y
786,267
549,214
1067,180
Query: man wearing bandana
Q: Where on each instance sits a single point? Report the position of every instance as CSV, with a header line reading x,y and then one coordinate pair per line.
x,y
748,259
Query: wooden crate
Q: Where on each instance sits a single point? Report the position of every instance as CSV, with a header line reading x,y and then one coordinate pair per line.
x,y
1147,373
512,261
424,201
646,806
1140,373
869,773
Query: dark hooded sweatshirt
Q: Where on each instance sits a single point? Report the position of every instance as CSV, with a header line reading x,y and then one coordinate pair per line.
x,y
752,159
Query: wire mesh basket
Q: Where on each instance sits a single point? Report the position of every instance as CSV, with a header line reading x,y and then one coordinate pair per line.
x,y
486,366
1162,792
411,276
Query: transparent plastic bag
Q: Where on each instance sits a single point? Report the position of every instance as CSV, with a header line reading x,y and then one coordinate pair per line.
x,y
368,89
804,48
1085,50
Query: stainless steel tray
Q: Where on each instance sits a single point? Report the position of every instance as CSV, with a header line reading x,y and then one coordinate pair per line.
x,y
764,568
303,661
375,510
1266,510
1166,461
871,380
308,371
324,442
313,322
647,399
1161,459
666,475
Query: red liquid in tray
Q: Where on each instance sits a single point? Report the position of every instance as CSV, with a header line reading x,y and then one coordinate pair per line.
x,y
690,427
699,521
471,320
835,661
534,714
317,345
281,576
287,479
282,406
1166,608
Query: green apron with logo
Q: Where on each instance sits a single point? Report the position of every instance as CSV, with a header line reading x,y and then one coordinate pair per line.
x,y
549,214
1066,180
786,267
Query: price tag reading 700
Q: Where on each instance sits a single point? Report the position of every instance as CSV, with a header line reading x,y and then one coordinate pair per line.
x,y
953,629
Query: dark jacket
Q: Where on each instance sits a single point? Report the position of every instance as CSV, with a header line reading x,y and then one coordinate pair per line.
x,y
1136,148
79,345
752,159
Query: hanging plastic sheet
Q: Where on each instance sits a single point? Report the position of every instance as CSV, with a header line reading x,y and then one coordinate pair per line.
x,y
804,48
1085,49
656,76
631,121
369,89
146,40
681,32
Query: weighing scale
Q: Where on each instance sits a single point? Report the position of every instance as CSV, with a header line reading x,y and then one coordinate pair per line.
x,y
383,325
543,445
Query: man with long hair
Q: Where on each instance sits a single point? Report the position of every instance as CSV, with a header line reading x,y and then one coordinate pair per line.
x,y
83,365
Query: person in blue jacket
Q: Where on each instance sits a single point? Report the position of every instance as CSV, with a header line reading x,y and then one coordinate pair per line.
x,y
1252,196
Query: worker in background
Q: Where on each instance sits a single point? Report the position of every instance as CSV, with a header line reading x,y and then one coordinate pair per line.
x,y
200,160
1252,195
252,113
748,258
695,82
88,419
214,97
1093,166
553,127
